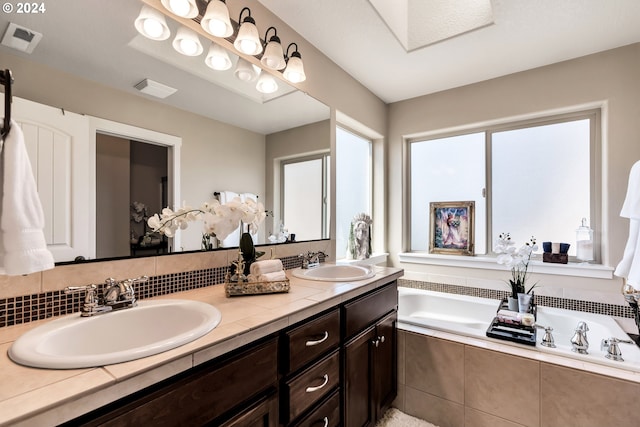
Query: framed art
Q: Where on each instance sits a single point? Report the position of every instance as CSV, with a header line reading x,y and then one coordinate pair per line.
x,y
451,225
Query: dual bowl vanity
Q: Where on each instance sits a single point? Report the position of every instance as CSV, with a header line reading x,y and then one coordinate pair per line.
x,y
198,357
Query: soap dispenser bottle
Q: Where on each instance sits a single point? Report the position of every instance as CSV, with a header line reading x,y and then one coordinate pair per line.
x,y
584,242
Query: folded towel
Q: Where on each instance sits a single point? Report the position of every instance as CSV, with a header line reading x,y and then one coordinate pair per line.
x,y
23,248
276,276
266,266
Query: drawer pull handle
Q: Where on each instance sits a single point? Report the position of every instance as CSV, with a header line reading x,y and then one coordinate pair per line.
x,y
326,421
316,388
320,341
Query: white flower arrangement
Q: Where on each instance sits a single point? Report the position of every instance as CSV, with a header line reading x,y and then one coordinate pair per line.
x,y
515,259
219,219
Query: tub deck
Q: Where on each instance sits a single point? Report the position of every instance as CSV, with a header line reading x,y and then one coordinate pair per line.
x,y
471,316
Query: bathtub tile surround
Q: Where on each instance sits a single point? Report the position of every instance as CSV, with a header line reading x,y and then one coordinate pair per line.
x,y
607,309
506,390
45,297
424,374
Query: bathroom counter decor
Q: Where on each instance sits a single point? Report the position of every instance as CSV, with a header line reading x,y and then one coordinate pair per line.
x,y
255,288
513,331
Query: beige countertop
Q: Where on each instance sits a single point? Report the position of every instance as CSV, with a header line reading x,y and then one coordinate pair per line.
x,y
34,397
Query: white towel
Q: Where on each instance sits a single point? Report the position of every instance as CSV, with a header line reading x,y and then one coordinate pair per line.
x,y
629,266
267,266
23,248
276,276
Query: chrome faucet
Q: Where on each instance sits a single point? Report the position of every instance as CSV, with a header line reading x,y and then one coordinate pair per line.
x,y
579,342
613,351
311,259
116,296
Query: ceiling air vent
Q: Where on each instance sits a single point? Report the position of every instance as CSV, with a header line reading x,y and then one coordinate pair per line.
x,y
153,88
20,38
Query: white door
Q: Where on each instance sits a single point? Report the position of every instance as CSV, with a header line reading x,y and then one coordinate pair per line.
x,y
58,145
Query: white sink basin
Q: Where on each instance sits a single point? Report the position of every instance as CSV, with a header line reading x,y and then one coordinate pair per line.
x,y
335,273
81,342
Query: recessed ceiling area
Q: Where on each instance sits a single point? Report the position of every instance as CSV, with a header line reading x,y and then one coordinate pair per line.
x,y
525,34
419,23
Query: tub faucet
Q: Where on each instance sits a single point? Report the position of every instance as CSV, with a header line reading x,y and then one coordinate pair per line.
x,y
579,342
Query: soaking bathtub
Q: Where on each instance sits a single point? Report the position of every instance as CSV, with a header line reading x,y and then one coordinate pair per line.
x,y
471,316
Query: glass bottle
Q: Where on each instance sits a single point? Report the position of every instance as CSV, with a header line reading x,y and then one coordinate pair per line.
x,y
584,242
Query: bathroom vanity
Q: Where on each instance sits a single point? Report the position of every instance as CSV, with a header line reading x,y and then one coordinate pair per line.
x,y
322,354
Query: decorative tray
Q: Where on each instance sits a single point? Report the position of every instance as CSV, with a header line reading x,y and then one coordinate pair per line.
x,y
512,331
255,288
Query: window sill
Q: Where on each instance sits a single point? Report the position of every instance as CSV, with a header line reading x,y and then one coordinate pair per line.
x,y
375,258
597,271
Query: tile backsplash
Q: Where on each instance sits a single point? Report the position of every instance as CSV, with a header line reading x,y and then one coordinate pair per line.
x,y
543,300
167,275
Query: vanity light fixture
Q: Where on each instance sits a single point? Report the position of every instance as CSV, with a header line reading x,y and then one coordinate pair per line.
x,y
152,24
245,70
216,19
266,83
217,58
248,41
273,57
187,42
295,69
182,8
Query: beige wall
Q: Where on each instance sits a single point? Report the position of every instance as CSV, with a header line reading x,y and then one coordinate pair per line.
x,y
609,77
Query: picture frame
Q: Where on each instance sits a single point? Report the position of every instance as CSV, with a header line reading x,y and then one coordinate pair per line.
x,y
452,228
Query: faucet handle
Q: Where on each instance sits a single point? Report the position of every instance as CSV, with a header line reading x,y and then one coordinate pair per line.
x,y
613,350
547,339
582,327
90,304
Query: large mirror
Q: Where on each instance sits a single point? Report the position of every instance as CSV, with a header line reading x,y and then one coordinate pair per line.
x,y
231,137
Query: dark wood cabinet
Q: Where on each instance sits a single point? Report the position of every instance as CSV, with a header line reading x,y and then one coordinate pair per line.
x,y
202,396
370,358
337,368
263,413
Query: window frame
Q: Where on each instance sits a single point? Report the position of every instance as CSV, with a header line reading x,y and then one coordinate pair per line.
x,y
594,114
324,157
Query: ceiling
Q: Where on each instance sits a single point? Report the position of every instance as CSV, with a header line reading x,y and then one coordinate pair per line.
x,y
525,34
98,41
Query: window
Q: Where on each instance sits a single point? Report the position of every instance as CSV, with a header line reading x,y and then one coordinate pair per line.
x,y
534,178
353,183
304,196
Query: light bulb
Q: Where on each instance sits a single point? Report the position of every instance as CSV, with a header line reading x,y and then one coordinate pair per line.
x,y
179,7
152,24
248,46
188,47
152,28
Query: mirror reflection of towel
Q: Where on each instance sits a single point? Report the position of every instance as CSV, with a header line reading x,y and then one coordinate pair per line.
x,y
629,266
233,239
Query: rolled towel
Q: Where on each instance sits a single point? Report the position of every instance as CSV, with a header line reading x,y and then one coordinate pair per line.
x,y
267,266
276,276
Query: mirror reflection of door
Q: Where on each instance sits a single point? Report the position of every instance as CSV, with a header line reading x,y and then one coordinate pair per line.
x,y
131,184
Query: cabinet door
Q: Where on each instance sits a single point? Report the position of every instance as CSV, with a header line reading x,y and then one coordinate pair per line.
x,y
358,385
385,363
263,414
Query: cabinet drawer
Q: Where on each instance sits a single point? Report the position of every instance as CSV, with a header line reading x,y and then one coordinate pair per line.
x,y
325,415
311,385
313,339
366,310
205,394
